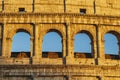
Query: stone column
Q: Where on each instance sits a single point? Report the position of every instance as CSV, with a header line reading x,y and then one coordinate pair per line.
x,y
4,41
8,47
40,42
37,45
36,42
69,42
64,47
69,46
100,43
95,48
31,46
64,50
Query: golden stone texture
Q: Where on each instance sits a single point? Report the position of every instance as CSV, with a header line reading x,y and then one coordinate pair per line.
x,y
67,18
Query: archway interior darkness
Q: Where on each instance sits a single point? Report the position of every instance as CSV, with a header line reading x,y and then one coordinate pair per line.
x,y
21,45
82,46
111,46
52,45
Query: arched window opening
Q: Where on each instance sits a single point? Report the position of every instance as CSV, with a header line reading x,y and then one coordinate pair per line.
x,y
111,46
83,46
52,45
21,45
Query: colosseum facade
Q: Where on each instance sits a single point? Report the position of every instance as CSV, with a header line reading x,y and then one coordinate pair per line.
x,y
67,18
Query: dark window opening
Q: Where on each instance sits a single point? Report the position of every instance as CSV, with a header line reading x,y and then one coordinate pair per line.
x,y
20,54
21,9
82,11
112,56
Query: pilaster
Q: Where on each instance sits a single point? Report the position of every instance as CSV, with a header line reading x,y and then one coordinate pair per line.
x,y
101,53
36,52
95,48
100,43
37,55
3,41
6,43
64,48
31,46
70,41
8,47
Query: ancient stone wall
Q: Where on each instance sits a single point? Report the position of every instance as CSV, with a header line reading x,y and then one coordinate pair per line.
x,y
67,18
101,7
36,67
66,25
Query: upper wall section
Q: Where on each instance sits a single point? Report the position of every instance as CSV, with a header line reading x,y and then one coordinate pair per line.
x,y
100,7
108,7
49,6
18,5
42,6
74,6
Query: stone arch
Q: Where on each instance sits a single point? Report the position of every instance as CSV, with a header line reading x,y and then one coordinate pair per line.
x,y
77,55
90,33
116,35
87,32
10,31
108,29
14,31
53,54
60,28
54,30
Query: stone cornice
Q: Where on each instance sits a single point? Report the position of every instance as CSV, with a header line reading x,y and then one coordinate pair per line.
x,y
58,18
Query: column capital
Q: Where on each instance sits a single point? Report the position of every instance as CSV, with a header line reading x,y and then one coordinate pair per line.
x,y
36,23
8,38
64,39
72,39
31,38
103,41
67,23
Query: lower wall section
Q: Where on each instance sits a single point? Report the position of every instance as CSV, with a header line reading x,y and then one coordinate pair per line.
x,y
60,78
111,78
35,78
59,72
51,78
15,78
84,78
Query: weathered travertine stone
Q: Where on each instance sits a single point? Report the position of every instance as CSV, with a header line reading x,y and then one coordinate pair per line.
x,y
67,18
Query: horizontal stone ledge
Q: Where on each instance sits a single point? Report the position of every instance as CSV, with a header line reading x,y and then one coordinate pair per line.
x,y
43,66
59,14
58,18
59,74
